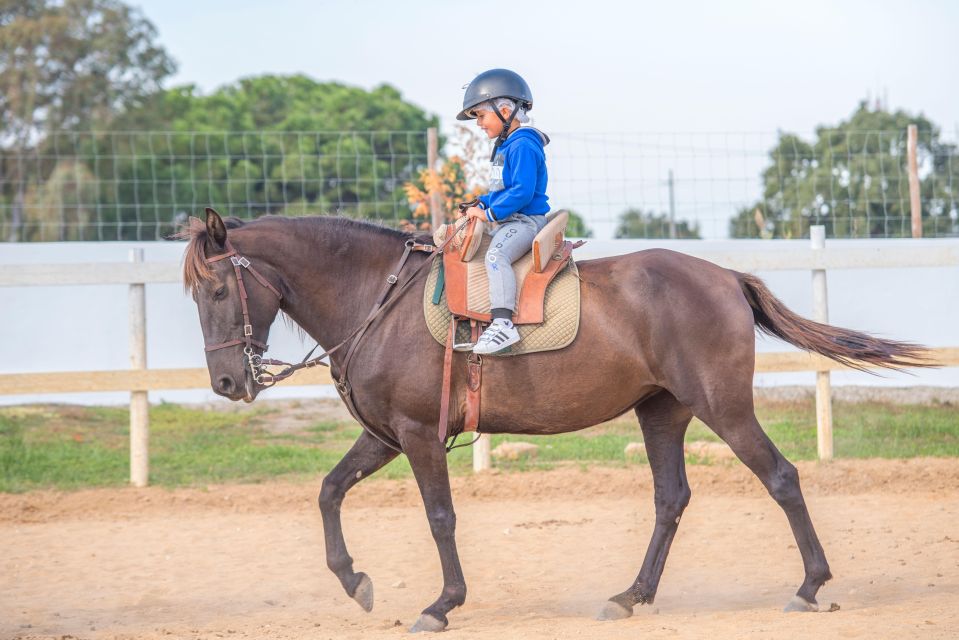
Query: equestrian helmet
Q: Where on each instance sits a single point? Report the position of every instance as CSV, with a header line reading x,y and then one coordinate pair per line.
x,y
492,84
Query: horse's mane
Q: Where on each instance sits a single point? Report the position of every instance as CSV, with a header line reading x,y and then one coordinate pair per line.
x,y
196,270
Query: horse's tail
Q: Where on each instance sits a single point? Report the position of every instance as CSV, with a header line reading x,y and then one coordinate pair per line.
x,y
851,348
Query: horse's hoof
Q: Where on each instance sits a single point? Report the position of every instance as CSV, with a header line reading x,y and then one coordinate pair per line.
x,y
798,603
427,623
614,611
364,593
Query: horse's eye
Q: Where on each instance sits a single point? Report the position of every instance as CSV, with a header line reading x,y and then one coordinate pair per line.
x,y
220,293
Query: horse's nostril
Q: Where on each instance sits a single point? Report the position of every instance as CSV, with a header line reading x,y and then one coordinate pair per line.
x,y
225,384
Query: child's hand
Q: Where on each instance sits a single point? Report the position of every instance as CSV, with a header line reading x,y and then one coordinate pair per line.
x,y
476,213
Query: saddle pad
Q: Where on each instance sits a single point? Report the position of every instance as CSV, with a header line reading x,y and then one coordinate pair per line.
x,y
561,312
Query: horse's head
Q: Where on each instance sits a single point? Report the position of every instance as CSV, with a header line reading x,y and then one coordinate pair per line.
x,y
237,305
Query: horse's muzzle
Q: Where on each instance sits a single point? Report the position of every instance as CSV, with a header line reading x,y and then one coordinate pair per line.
x,y
227,387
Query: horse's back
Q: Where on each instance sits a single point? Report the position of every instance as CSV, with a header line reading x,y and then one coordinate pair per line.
x,y
677,302
660,275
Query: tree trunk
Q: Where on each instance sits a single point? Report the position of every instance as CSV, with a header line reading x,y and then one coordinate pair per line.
x,y
16,217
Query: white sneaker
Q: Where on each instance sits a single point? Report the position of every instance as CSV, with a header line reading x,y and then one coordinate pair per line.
x,y
499,335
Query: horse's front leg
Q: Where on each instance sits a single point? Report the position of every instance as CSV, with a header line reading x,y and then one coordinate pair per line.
x,y
427,457
366,456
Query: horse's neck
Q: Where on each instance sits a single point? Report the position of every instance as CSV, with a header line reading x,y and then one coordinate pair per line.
x,y
333,280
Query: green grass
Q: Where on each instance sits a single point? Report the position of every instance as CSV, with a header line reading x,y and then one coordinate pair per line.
x,y
69,447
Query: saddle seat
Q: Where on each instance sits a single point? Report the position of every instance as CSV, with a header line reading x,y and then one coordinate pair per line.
x,y
465,279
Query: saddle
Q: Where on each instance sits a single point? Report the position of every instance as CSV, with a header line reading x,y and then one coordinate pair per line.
x,y
461,282
464,269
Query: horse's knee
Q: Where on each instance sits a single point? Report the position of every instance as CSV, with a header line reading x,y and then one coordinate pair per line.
x,y
670,506
442,521
784,485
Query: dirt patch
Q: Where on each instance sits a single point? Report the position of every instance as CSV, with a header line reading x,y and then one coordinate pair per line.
x,y
541,552
840,477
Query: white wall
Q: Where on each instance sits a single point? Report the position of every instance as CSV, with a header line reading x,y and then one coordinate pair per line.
x,y
78,328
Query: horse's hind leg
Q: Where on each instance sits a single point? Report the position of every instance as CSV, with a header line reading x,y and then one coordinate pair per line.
x,y
736,423
365,456
663,420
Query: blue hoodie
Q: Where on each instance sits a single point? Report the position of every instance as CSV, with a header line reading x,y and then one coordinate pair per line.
x,y
518,176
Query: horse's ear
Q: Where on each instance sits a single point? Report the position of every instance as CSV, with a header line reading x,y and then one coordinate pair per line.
x,y
215,229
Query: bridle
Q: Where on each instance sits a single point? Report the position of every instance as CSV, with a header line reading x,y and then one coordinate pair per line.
x,y
257,364
253,360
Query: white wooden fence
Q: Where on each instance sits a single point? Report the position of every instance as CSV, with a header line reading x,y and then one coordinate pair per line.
x,y
139,379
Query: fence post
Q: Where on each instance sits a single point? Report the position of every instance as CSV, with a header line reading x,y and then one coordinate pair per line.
x,y
820,313
912,140
432,157
481,459
139,401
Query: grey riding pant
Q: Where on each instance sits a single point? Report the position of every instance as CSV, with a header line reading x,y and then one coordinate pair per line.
x,y
511,240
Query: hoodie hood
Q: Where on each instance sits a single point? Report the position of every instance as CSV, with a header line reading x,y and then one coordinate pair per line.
x,y
527,132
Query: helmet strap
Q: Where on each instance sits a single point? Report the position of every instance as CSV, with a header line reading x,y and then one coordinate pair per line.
x,y
507,123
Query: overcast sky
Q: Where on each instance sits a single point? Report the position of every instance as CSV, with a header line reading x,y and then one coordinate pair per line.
x,y
595,65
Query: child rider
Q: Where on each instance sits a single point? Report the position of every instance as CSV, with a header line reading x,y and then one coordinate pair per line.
x,y
498,100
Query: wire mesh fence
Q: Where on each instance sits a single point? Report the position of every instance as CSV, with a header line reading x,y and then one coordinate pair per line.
x,y
142,185
755,185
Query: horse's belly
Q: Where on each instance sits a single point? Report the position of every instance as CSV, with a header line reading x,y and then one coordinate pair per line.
x,y
565,405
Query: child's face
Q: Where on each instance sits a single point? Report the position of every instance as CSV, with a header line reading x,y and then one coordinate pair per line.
x,y
487,120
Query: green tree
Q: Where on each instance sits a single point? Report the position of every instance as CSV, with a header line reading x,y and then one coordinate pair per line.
x,y
853,180
66,65
634,223
269,144
576,227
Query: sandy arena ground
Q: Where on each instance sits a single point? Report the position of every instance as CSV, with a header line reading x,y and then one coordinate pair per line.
x,y
541,552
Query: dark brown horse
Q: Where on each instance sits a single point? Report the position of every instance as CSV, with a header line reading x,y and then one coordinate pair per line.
x,y
662,334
